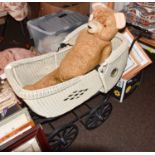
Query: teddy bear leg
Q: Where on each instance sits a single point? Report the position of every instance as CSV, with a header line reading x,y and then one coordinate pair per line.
x,y
49,80
106,53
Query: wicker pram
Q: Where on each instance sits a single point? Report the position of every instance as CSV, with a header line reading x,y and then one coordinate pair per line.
x,y
57,100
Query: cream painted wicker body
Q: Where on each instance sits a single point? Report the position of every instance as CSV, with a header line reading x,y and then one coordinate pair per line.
x,y
59,99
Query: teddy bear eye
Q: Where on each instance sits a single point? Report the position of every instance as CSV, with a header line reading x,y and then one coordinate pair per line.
x,y
105,25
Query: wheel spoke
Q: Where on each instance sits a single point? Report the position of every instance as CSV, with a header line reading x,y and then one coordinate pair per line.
x,y
60,134
67,131
99,111
98,116
93,117
54,140
99,123
106,115
91,121
106,109
69,140
63,138
70,134
92,124
56,146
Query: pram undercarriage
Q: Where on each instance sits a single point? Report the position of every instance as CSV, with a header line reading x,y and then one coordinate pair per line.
x,y
62,134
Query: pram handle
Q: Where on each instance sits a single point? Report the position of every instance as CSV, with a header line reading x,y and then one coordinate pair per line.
x,y
141,33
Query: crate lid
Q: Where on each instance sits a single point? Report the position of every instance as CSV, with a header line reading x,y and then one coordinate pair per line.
x,y
58,22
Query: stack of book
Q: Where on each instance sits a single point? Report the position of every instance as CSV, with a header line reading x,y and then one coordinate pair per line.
x,y
14,125
7,97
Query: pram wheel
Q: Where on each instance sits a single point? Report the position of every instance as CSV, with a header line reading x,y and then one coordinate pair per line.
x,y
62,138
98,115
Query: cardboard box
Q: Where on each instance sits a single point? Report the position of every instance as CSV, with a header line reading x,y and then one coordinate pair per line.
x,y
47,7
125,88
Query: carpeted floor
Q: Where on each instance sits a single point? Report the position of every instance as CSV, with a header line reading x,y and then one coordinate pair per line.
x,y
131,125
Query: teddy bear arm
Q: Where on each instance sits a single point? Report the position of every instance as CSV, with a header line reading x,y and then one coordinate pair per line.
x,y
106,53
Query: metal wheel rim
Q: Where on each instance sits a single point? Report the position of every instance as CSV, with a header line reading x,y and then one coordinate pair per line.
x,y
63,138
98,116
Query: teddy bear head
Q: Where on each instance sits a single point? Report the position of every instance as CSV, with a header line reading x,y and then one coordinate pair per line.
x,y
104,22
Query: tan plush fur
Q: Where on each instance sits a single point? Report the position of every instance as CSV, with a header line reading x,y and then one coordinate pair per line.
x,y
92,47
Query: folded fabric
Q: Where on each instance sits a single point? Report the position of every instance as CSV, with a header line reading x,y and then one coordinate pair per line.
x,y
16,9
142,14
13,54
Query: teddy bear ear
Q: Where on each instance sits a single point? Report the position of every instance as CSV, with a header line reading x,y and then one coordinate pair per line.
x,y
98,5
120,20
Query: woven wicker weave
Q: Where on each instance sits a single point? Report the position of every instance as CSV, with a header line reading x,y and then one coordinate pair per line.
x,y
56,100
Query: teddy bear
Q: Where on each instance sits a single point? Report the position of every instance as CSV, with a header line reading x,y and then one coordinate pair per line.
x,y
92,47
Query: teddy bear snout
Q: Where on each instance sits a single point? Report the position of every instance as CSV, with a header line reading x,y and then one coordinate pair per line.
x,y
92,28
89,27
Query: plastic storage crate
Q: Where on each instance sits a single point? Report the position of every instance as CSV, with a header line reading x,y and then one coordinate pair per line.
x,y
49,31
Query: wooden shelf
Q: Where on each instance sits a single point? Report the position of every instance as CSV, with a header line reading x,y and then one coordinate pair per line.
x,y
50,7
150,42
